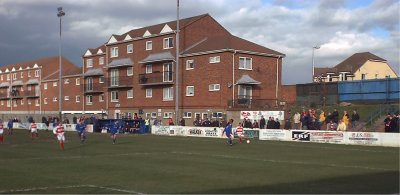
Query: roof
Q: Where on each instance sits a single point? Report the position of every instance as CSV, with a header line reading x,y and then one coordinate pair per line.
x,y
76,71
32,82
354,62
247,80
229,42
5,84
17,83
94,72
120,62
323,71
158,57
40,62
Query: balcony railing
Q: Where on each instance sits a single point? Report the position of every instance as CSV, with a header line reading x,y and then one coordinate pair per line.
x,y
94,88
156,78
120,82
248,102
31,94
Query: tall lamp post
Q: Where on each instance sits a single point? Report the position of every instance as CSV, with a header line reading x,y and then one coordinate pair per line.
x,y
60,14
312,76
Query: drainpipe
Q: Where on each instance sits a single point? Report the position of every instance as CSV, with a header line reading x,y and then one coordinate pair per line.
x,y
83,84
40,90
277,79
233,77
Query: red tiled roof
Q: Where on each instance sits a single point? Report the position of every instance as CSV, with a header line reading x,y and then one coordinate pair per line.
x,y
48,61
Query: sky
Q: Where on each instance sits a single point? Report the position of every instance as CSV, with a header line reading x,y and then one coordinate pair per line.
x,y
30,28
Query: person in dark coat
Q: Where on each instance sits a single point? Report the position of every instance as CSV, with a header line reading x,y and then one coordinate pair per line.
x,y
262,122
335,116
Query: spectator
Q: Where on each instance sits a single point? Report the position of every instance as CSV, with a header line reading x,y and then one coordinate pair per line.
x,y
255,124
342,126
296,120
182,122
277,124
322,119
388,121
262,122
335,116
170,121
346,118
354,119
288,124
331,126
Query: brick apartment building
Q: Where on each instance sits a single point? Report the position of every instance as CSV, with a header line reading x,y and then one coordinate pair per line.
x,y
219,74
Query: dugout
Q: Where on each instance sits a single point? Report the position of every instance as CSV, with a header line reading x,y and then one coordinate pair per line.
x,y
125,125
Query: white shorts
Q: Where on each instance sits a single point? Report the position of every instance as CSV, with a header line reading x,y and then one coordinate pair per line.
x,y
240,134
1,131
33,130
61,137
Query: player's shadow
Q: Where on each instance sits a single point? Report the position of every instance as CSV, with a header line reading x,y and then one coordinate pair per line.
x,y
374,183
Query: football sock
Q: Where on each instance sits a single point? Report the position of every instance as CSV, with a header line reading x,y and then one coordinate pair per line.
x,y
1,138
62,145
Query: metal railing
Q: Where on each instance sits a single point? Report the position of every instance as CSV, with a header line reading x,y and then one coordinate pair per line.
x,y
116,82
156,78
252,103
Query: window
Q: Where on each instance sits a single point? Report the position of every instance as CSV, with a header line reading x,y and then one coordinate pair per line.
x,y
22,102
245,63
29,101
101,98
2,102
1,77
129,48
54,99
77,98
9,103
376,76
213,87
89,63
149,93
187,115
45,100
89,86
66,81
14,76
22,75
36,73
189,64
114,77
8,77
167,114
37,103
189,90
129,94
114,52
168,74
149,45
45,86
129,71
214,59
216,115
15,103
101,79
66,98
154,115
89,100
29,88
245,92
114,96
101,60
29,73
168,93
78,81
168,43
149,69
55,84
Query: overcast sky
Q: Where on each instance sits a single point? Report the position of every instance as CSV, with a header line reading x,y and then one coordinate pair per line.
x,y
29,29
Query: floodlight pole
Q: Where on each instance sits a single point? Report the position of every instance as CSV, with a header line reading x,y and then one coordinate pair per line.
x,y
313,67
177,114
60,14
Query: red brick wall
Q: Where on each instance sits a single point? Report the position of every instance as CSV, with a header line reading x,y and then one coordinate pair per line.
x,y
289,93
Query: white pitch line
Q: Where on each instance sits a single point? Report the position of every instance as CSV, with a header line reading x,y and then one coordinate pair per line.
x,y
66,187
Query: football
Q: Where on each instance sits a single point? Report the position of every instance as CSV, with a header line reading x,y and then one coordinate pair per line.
x,y
248,141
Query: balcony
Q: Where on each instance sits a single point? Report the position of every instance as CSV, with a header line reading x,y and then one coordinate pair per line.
x,y
94,88
4,96
120,82
156,78
248,102
32,94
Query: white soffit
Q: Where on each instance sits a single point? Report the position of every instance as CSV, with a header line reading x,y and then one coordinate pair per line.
x,y
146,34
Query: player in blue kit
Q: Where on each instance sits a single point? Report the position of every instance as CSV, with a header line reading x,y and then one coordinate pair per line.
x,y
81,129
228,132
114,129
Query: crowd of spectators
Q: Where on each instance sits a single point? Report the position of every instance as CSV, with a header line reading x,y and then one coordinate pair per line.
x,y
392,122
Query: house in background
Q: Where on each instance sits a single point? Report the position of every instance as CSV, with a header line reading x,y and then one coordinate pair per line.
x,y
359,66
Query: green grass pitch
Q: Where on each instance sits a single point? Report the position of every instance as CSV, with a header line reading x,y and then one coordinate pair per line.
x,y
185,165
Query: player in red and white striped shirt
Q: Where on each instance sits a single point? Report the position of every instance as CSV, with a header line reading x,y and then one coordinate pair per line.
x,y
59,132
1,131
34,130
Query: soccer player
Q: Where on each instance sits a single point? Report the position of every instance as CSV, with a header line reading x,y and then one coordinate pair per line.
x,y
81,129
1,131
228,132
34,130
114,129
239,132
59,132
10,127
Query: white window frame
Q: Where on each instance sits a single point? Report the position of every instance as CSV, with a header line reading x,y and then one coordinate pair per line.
x,y
167,44
89,63
101,60
15,103
149,45
244,65
129,48
1,77
29,74
114,96
36,73
187,115
114,76
66,81
114,52
55,99
22,102
129,71
154,115
37,102
149,93
89,100
167,115
78,81
168,93
45,101
129,94
101,98
214,87
14,75
78,98
190,90
22,75
215,59
29,101
29,88
8,103
149,69
102,79
55,84
189,63
45,86
66,98
217,116
8,77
